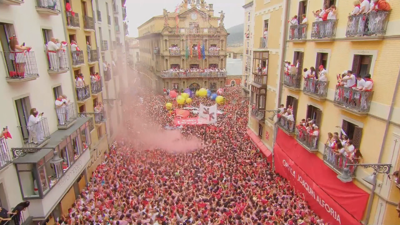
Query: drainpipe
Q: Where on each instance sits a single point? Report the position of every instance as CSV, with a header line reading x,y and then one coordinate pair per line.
x,y
64,21
372,195
283,57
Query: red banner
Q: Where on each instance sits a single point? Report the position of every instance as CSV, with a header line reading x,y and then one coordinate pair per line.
x,y
336,202
186,121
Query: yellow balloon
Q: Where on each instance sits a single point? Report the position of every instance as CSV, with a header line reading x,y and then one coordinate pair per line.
x,y
220,100
188,100
180,100
168,105
197,93
203,92
185,95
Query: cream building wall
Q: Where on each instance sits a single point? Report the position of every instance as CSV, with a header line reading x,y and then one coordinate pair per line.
x,y
248,43
385,71
27,25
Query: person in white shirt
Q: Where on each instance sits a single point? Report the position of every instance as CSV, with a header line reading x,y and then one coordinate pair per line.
x,y
61,109
368,85
360,83
322,74
265,36
356,9
36,132
350,79
52,53
74,48
349,149
364,8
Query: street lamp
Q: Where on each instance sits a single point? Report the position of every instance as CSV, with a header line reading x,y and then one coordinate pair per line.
x,y
371,179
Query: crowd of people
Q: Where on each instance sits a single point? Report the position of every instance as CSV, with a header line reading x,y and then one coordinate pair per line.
x,y
194,72
225,180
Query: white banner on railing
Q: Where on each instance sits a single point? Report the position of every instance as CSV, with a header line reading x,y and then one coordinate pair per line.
x,y
208,114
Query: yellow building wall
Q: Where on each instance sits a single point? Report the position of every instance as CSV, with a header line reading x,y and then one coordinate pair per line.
x,y
67,201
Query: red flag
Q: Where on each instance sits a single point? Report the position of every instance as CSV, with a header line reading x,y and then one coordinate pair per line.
x,y
177,18
199,50
6,134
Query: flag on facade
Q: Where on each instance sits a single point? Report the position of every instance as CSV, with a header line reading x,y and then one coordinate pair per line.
x,y
203,51
177,18
208,114
199,50
191,50
187,52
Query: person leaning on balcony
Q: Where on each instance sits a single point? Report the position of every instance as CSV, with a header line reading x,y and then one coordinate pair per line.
x,y
89,48
356,9
360,82
322,74
349,80
69,12
369,83
52,53
349,149
265,37
292,24
330,139
36,133
80,84
17,55
61,109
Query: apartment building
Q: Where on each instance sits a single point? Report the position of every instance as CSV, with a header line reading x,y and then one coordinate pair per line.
x,y
247,44
366,45
45,160
190,39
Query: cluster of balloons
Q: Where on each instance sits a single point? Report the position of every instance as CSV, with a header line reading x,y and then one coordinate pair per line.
x,y
185,97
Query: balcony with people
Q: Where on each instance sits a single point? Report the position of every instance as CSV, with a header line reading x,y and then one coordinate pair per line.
x,y
5,156
324,27
88,23
368,21
194,72
20,64
260,63
50,171
292,79
93,55
47,7
315,84
96,84
77,55
307,131
213,50
298,31
82,89
258,106
35,133
287,115
354,93
66,112
174,50
72,19
57,57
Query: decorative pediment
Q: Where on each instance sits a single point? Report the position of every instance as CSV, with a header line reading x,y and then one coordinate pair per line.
x,y
187,13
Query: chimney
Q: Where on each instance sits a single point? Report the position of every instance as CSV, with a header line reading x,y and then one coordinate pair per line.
x,y
211,9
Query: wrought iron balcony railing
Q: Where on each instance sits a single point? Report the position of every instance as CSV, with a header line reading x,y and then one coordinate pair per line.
x,y
259,114
35,134
89,23
93,55
315,88
48,6
96,87
73,20
169,74
117,30
292,80
263,42
176,52
353,100
91,121
287,125
66,115
298,32
83,93
307,140
338,161
21,66
374,23
323,29
104,45
77,58
260,80
213,51
57,61
5,156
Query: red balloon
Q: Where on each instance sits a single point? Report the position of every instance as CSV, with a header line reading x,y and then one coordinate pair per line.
x,y
173,94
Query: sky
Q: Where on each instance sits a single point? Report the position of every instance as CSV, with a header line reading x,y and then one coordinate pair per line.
x,y
139,11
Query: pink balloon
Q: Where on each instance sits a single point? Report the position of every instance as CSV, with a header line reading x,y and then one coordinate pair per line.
x,y
173,94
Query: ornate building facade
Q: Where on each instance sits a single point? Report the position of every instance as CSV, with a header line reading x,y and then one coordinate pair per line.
x,y
178,49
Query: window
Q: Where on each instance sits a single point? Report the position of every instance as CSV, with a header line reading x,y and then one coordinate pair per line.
x,y
176,86
315,114
6,32
92,70
233,83
82,109
298,61
101,35
248,16
266,23
353,132
84,8
302,9
47,35
23,109
57,91
194,66
362,64
293,102
260,63
329,3
177,66
108,13
95,102
322,59
88,40
72,37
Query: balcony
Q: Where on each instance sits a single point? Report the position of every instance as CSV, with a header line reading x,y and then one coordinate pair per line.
x,y
83,93
96,87
5,156
286,125
367,27
66,115
98,12
88,23
213,51
170,74
21,66
93,56
298,33
258,114
48,7
323,31
104,45
77,58
35,134
57,62
46,174
308,141
12,2
316,89
263,44
352,100
337,161
259,81
292,81
117,30
91,123
175,51
73,21
107,75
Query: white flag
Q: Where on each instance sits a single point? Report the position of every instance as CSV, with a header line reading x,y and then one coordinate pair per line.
x,y
208,114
